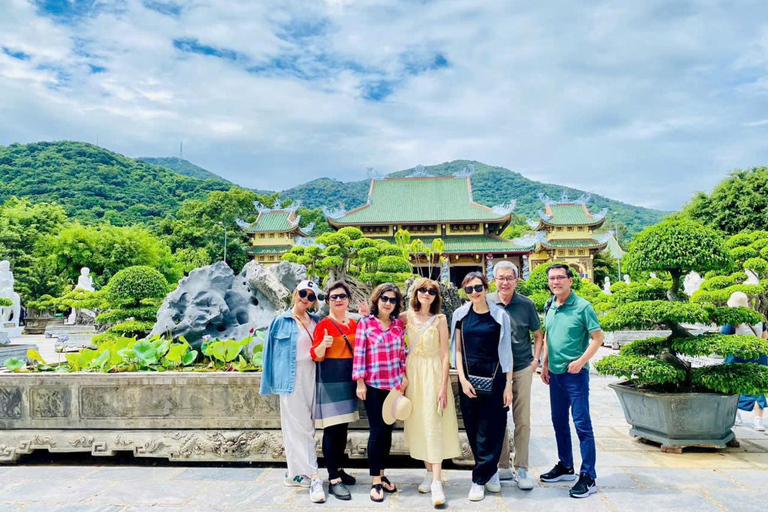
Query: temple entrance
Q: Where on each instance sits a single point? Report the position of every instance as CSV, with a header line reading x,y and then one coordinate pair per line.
x,y
458,273
423,271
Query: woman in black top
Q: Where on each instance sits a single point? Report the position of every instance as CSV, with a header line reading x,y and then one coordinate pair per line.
x,y
482,334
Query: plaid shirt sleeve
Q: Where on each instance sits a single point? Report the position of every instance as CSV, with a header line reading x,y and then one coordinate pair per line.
x,y
359,365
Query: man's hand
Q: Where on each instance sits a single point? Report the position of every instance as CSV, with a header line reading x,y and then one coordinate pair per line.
x,y
545,373
576,366
534,365
508,395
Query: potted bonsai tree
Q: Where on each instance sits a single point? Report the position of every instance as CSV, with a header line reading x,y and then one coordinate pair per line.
x,y
667,399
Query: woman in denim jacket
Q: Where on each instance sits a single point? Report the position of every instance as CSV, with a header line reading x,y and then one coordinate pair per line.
x,y
289,371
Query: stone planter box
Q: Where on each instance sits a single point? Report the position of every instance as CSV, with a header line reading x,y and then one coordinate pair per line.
x,y
192,416
678,420
617,339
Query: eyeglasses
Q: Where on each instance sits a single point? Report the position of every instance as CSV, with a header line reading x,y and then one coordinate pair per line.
x,y
304,294
339,296
430,291
477,288
557,278
506,279
385,299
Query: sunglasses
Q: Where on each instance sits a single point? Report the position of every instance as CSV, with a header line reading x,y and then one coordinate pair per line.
x,y
477,288
385,299
430,291
304,294
338,296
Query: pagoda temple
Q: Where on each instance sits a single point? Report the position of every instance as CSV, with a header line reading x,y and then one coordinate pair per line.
x,y
430,207
274,232
565,231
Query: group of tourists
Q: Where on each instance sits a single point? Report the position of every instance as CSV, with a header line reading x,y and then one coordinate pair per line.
x,y
397,363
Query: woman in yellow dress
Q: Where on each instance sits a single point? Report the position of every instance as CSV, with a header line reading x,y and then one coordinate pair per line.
x,y
432,431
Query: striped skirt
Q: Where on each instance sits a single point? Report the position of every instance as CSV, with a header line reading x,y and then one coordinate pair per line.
x,y
335,399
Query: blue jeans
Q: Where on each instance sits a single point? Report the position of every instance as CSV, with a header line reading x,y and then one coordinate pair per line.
x,y
571,391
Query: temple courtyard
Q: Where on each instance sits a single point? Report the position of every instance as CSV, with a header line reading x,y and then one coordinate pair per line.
x,y
632,475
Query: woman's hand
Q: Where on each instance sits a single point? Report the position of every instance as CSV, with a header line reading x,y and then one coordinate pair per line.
x,y
467,389
324,345
508,395
361,390
363,309
404,383
442,398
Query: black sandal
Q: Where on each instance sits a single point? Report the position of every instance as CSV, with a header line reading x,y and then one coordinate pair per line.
x,y
378,488
385,480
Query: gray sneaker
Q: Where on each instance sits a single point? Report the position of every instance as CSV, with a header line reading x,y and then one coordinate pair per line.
x,y
296,481
506,474
316,492
524,482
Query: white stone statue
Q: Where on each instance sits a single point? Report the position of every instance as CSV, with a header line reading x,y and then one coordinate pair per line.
x,y
607,285
751,277
85,281
445,273
626,279
692,283
11,313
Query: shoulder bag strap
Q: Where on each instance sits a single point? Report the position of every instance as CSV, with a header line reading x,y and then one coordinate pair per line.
x,y
346,340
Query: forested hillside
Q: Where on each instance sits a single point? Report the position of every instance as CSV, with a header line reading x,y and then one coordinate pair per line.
x,y
182,166
94,184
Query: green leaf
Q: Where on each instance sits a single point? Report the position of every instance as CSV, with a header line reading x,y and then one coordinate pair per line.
x,y
14,364
189,357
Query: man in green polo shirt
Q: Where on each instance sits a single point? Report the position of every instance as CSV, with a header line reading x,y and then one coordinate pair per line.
x,y
573,338
524,320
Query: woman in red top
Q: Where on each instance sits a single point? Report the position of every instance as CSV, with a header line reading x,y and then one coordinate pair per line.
x,y
335,400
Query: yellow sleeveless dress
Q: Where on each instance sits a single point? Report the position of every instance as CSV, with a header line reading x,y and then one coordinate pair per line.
x,y
428,436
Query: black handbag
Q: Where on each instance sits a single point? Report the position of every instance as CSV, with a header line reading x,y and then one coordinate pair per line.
x,y
482,385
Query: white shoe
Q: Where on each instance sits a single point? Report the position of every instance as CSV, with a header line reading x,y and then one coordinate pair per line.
x,y
316,492
494,485
739,421
506,474
438,496
297,481
524,482
758,424
426,485
477,492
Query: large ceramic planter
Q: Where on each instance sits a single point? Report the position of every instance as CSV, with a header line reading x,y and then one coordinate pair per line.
x,y
173,415
678,420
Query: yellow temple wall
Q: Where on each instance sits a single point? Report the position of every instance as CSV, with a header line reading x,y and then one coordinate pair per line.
x,y
569,233
270,239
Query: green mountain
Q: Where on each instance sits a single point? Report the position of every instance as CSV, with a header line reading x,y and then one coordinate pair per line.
x,y
490,186
92,183
182,166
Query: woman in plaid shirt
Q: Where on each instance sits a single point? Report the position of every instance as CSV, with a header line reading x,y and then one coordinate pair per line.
x,y
378,367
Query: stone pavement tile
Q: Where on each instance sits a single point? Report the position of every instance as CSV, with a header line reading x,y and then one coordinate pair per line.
x,y
227,496
747,432
680,478
455,495
751,478
622,459
10,507
623,444
606,477
79,507
758,460
707,460
754,499
129,492
659,500
550,499
136,474
220,474
754,445
54,491
48,473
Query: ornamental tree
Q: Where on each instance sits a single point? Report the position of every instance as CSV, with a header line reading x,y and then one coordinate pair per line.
x,y
659,363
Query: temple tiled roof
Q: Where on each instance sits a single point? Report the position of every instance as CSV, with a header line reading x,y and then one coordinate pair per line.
x,y
420,200
280,249
273,221
588,243
461,244
574,214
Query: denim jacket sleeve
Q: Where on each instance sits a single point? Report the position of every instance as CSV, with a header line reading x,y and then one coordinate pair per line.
x,y
267,376
505,343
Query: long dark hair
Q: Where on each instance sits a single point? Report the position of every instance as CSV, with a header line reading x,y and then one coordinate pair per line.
x,y
381,290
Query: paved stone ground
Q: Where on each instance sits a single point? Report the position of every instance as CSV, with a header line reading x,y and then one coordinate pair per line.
x,y
631,476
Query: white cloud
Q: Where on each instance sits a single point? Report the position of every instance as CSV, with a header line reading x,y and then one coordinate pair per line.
x,y
645,102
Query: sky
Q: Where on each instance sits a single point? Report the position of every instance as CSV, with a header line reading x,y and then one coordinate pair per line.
x,y
645,102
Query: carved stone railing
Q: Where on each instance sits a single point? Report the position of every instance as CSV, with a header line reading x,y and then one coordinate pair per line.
x,y
171,415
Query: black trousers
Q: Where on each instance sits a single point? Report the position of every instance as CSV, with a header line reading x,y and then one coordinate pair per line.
x,y
485,421
380,436
334,445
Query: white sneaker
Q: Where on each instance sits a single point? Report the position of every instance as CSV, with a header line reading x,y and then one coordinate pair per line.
x,y
524,482
438,496
739,421
494,484
426,485
506,474
477,492
758,424
316,492
297,481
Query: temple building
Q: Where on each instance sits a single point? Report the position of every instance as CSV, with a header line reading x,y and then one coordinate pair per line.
x,y
432,207
274,232
565,231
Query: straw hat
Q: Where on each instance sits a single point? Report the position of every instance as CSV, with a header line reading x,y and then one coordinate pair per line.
x,y
396,407
738,300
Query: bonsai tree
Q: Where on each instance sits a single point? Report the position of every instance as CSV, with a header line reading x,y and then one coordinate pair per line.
x,y
131,300
678,247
